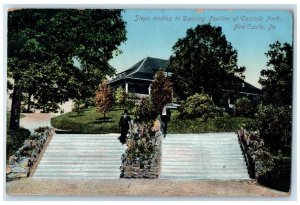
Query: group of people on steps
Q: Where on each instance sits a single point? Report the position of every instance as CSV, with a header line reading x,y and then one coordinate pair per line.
x,y
125,123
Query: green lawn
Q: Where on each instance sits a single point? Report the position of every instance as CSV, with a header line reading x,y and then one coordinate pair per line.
x,y
218,124
90,122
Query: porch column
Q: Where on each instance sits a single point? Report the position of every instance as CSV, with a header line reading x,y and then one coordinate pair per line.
x,y
126,87
149,89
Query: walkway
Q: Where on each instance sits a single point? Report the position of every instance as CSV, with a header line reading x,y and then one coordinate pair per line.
x,y
31,121
138,187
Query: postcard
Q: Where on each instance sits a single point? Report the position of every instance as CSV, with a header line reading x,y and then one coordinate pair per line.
x,y
149,102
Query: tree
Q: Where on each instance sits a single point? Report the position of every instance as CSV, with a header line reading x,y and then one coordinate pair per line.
x,y
204,62
161,91
199,105
276,80
244,107
43,45
104,98
120,96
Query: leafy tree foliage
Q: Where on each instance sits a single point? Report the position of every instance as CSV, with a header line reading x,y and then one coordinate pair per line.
x,y
120,96
275,126
145,111
199,105
204,61
161,91
276,80
243,107
43,45
104,98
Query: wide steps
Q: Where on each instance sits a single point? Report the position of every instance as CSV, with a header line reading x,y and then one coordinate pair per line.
x,y
209,156
81,156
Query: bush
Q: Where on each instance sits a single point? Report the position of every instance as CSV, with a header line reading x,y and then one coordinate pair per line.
x,y
15,139
275,127
280,176
199,105
243,107
144,112
272,147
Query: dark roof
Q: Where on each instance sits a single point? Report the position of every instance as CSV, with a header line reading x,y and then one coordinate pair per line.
x,y
250,89
144,69
147,67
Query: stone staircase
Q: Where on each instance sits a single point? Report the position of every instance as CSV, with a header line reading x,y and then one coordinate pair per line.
x,y
96,156
209,156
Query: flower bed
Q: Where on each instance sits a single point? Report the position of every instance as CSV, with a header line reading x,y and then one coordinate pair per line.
x,y
142,157
22,163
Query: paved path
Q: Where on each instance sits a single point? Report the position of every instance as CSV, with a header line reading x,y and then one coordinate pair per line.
x,y
138,187
31,121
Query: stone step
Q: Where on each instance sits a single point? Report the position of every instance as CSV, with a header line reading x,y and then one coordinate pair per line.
x,y
96,166
202,155
91,143
201,146
79,155
116,171
87,140
203,169
203,173
85,151
78,175
87,135
203,166
76,160
71,177
204,177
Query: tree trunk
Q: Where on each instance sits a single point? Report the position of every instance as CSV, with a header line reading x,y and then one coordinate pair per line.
x,y
15,108
29,102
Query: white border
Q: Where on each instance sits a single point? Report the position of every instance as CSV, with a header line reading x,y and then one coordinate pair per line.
x,y
211,4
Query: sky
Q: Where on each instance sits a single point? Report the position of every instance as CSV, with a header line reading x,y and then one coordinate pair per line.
x,y
154,32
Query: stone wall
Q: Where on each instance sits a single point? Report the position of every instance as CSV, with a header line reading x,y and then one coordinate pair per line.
x,y
22,163
142,157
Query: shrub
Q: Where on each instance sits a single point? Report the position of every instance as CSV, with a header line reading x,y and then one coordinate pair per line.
x,y
145,110
199,105
15,139
272,169
243,107
275,127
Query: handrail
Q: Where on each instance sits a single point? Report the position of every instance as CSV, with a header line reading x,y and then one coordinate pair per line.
x,y
250,163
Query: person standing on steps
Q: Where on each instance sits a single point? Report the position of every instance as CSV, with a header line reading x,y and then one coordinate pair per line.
x,y
165,118
125,126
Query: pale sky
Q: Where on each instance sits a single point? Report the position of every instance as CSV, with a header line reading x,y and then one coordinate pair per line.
x,y
154,32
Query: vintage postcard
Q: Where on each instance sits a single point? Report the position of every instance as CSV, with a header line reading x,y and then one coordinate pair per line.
x,y
149,102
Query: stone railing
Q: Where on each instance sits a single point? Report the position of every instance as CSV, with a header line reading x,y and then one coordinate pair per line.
x,y
244,140
24,161
142,157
